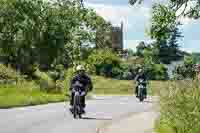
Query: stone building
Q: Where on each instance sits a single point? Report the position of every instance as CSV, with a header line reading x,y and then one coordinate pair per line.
x,y
117,38
114,39
197,69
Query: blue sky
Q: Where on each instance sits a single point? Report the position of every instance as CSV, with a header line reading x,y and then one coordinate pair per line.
x,y
136,20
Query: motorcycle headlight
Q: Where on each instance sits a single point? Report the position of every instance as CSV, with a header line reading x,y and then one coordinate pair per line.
x,y
83,93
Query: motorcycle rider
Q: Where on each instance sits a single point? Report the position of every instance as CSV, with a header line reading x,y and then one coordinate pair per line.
x,y
85,80
141,75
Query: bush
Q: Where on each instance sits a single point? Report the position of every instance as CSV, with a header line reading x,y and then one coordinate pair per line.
x,y
57,73
101,62
45,82
7,73
54,75
29,69
127,75
156,71
59,86
180,108
117,72
105,70
124,72
69,73
186,70
10,76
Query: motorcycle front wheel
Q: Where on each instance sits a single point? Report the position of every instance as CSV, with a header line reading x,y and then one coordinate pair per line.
x,y
141,96
75,108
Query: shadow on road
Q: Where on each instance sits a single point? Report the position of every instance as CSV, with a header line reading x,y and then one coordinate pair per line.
x,y
148,101
93,118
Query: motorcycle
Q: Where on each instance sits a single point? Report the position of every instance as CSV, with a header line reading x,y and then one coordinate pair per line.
x,y
141,88
78,93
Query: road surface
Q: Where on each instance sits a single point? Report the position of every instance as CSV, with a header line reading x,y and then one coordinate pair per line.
x,y
55,118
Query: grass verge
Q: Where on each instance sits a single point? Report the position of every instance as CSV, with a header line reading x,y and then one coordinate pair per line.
x,y
180,108
28,93
108,86
15,96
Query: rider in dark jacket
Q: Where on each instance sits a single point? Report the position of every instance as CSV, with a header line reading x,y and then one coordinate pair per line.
x,y
85,80
141,75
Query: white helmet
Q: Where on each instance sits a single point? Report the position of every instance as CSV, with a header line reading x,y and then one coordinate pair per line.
x,y
140,70
80,68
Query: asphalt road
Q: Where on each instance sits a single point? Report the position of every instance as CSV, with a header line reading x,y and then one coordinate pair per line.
x,y
55,118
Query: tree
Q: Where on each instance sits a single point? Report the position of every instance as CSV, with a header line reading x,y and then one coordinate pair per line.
x,y
164,29
103,34
173,44
46,33
196,57
140,48
19,28
102,61
187,69
85,35
180,5
162,22
130,52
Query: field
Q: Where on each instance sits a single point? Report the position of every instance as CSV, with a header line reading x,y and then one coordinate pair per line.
x,y
124,87
29,94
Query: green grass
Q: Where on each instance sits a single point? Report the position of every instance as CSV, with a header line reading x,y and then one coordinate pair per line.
x,y
156,87
107,86
28,93
162,128
23,93
14,96
180,108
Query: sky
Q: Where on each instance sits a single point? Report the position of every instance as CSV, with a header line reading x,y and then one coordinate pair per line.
x,y
136,20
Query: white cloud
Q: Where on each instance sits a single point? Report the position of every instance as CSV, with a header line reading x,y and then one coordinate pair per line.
x,y
186,7
136,18
185,20
189,50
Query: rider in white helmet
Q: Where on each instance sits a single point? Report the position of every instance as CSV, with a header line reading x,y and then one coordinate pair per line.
x,y
85,80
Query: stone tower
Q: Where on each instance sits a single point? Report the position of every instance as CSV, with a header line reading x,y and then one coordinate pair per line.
x,y
117,37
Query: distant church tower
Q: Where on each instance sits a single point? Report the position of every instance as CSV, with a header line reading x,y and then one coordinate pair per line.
x,y
117,37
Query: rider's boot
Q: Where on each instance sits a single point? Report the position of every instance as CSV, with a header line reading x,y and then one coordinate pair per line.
x,y
83,111
71,109
136,92
83,105
145,93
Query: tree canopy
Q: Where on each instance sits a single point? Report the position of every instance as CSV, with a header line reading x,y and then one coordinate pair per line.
x,y
189,8
47,33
